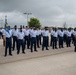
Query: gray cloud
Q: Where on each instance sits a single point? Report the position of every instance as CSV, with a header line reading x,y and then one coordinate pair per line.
x,y
49,12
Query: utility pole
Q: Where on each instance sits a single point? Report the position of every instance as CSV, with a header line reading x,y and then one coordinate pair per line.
x,y
27,16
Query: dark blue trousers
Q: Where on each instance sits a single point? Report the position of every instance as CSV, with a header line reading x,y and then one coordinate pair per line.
x,y
27,41
54,42
21,43
33,42
68,41
75,44
72,38
51,41
65,37
8,45
45,42
48,41
61,39
40,39
0,35
37,41
15,41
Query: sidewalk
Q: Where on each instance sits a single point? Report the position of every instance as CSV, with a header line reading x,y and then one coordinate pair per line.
x,y
29,55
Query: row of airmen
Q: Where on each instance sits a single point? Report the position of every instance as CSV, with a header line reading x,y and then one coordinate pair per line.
x,y
63,35
22,37
32,37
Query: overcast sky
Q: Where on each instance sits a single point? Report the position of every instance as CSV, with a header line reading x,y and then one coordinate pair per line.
x,y
49,12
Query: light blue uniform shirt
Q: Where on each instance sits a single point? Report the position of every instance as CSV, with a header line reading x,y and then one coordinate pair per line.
x,y
26,32
8,35
55,34
33,33
20,35
38,33
45,33
69,33
61,33
15,32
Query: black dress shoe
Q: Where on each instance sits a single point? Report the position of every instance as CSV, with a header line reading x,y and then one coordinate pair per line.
x,y
38,47
74,50
53,48
42,49
56,48
36,50
17,52
59,47
47,49
23,52
62,47
10,54
5,55
27,48
31,51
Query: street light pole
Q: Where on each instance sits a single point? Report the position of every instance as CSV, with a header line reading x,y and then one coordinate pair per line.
x,y
27,16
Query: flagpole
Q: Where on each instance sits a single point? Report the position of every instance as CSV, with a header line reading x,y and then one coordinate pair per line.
x,y
4,41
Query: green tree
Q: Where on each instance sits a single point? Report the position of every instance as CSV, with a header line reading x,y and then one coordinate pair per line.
x,y
34,22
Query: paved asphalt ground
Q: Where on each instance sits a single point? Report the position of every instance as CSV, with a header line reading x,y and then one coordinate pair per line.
x,y
52,62
60,64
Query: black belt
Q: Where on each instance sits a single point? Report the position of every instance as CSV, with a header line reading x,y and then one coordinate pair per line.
x,y
8,37
45,36
33,37
20,39
26,35
54,37
69,37
61,37
14,36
